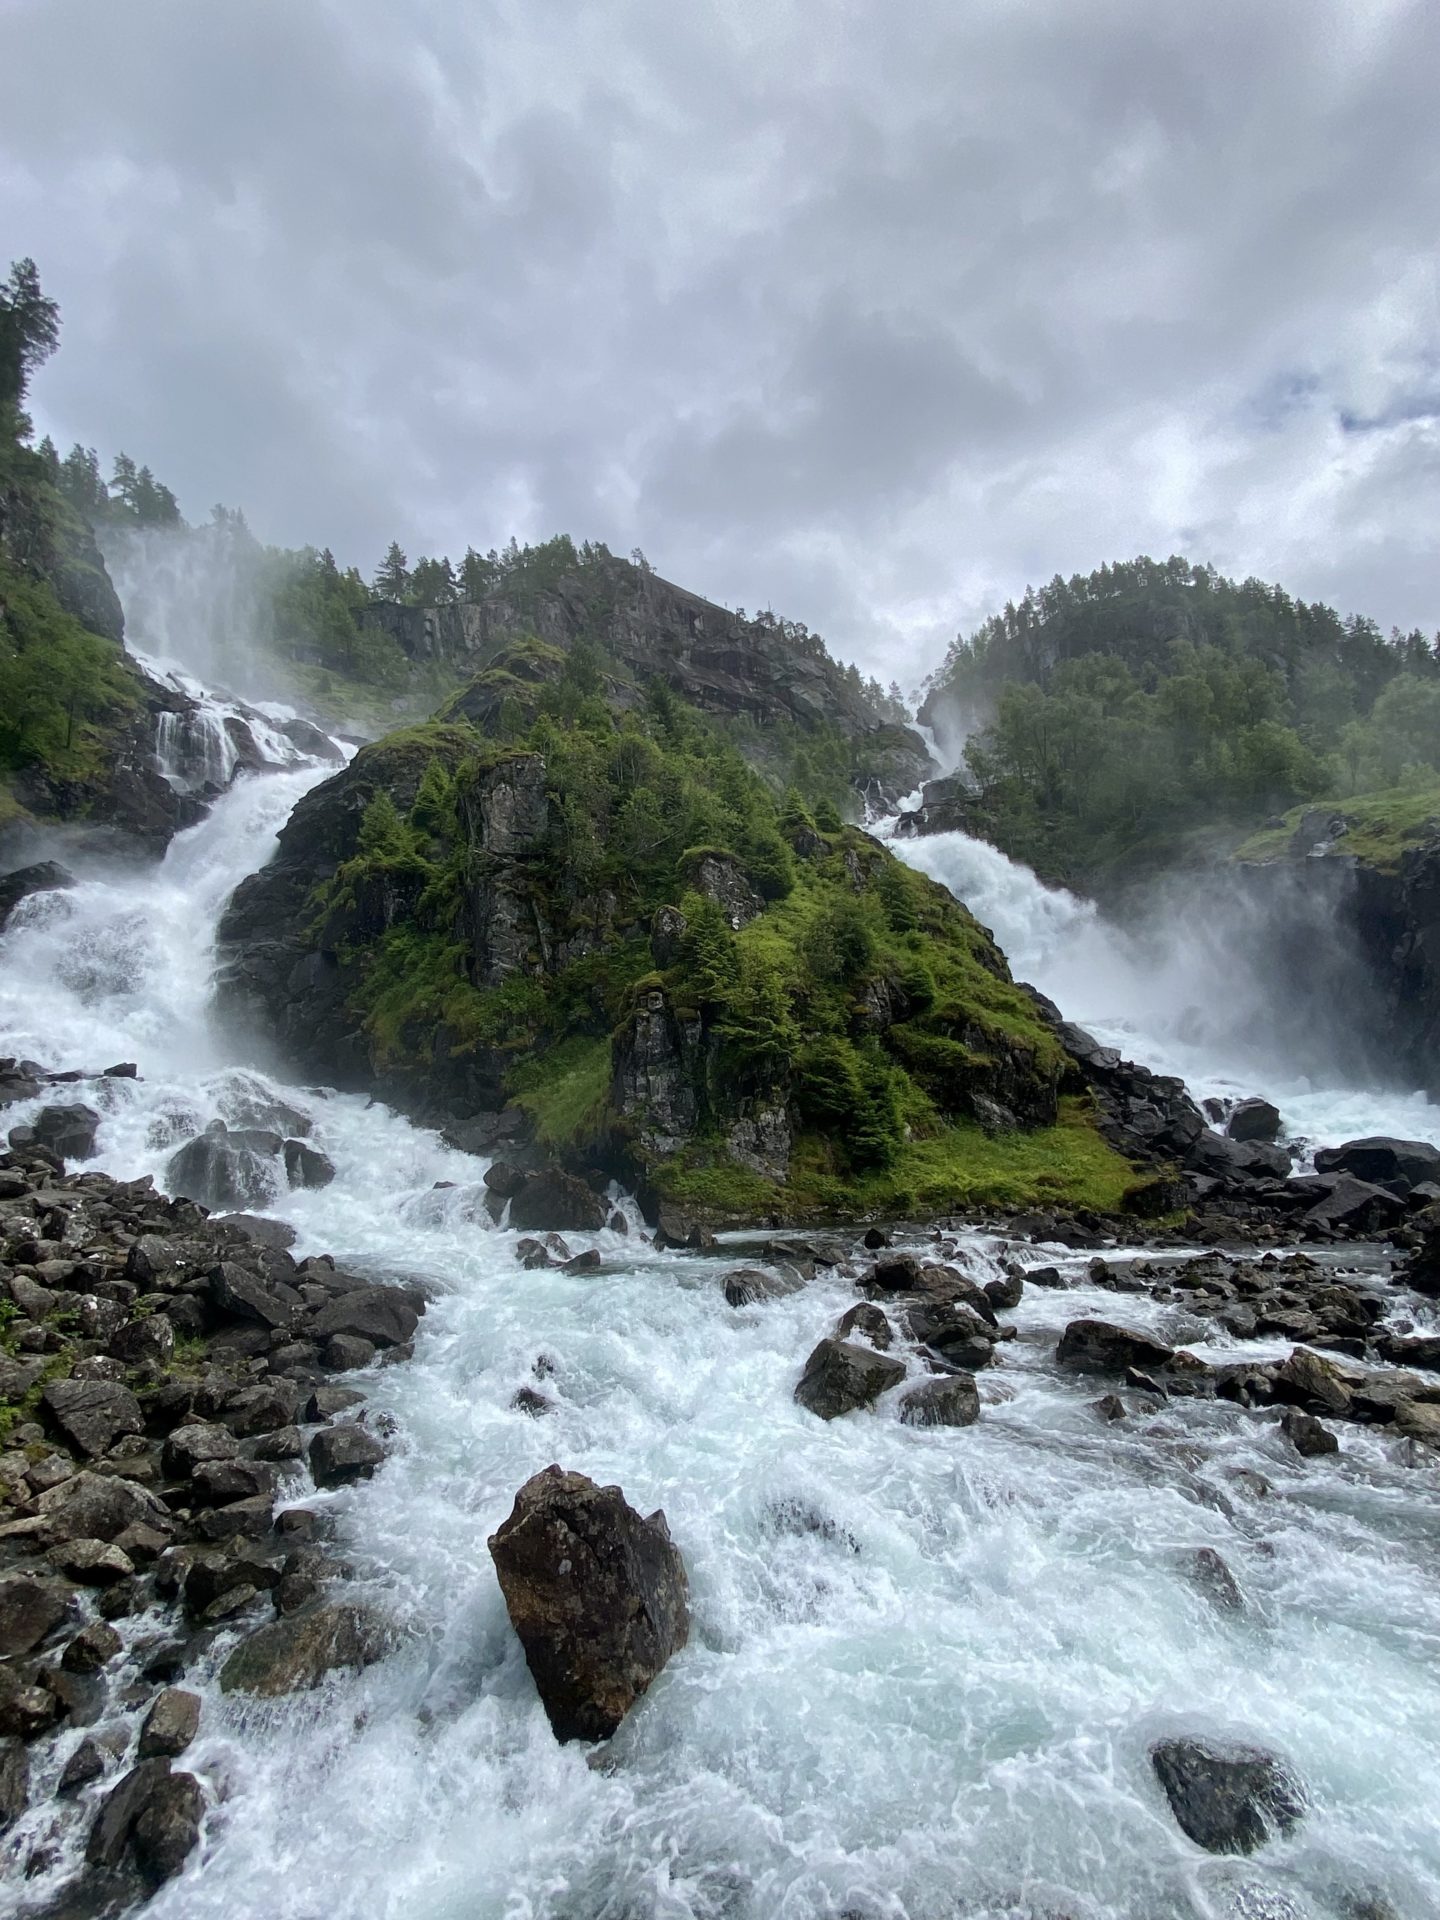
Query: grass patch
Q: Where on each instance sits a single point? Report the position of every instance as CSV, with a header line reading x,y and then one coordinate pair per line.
x,y
566,1089
1379,827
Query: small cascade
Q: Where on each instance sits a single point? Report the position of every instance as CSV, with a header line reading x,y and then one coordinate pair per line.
x,y
195,750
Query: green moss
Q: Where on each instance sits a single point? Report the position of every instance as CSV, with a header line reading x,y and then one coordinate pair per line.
x,y
1378,827
714,1185
567,1090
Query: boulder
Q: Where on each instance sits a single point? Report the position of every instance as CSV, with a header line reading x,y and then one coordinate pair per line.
x,y
1231,1159
869,1322
894,1273
597,1595
1005,1294
30,1609
1345,1202
153,1816
227,1172
950,1401
97,1506
91,1415
1382,1161
91,1648
171,1724
955,1333
1228,1797
67,1132
1209,1572
14,1782
553,1199
1254,1120
1095,1346
46,876
1309,1437
381,1315
339,1455
504,1180
1306,1380
241,1294
745,1285
194,1445
840,1376
306,1166
297,1652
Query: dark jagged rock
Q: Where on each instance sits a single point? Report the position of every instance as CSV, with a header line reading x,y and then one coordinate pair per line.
x,y
171,1724
381,1315
951,1401
557,1200
746,1285
1310,1437
227,1171
597,1595
1210,1574
91,1414
1095,1346
1252,1120
67,1132
1228,1797
869,1322
30,1610
14,1782
339,1455
306,1166
840,1376
45,876
1381,1161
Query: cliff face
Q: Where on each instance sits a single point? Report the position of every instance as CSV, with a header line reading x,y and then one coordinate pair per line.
x,y
44,538
1376,862
608,931
715,660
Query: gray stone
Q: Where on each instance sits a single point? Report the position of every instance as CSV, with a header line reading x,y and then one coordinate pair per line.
x,y
951,1400
91,1415
306,1166
197,1444
30,1609
1097,1346
1309,1436
840,1376
381,1315
339,1455
171,1724
1228,1797
299,1651
14,1782
97,1506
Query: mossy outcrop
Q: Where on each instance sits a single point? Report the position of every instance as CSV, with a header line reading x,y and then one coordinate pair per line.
x,y
594,908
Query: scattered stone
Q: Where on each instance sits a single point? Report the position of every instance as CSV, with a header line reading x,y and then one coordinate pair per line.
x,y
93,1563
297,1652
1228,1797
557,1200
1095,1346
243,1295
381,1315
325,1402
597,1595
171,1723
587,1262
1254,1120
949,1401
1210,1574
67,1132
1111,1407
95,1506
840,1376
30,1609
744,1286
340,1455
1005,1294
306,1166
196,1445
869,1322
1308,1381
91,1415
527,1400
85,1764
1308,1436
347,1353
91,1648
895,1273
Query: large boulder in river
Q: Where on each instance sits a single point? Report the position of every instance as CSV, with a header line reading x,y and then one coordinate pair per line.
x,y
597,1594
1228,1797
840,1376
1383,1161
68,1132
1096,1346
558,1201
46,876
1254,1120
298,1651
227,1171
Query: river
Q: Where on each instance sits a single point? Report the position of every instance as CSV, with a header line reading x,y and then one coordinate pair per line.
x,y
925,1665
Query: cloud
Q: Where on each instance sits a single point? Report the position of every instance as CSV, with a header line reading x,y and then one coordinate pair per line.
x,y
869,315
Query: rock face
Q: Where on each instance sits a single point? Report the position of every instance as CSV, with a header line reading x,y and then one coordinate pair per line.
x,y
597,1595
46,876
1228,1797
717,660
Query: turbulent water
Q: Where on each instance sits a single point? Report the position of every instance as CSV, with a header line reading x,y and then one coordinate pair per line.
x,y
925,1665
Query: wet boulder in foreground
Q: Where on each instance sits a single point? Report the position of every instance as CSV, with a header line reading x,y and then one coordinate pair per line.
x,y
597,1594
1229,1798
840,1376
1097,1346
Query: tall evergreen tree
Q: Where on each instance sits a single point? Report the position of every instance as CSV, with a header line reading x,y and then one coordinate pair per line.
x,y
29,334
392,576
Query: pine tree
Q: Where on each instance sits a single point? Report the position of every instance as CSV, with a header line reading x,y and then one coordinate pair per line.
x,y
392,576
29,334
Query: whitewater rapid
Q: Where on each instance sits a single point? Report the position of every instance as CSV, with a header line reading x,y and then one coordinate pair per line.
x,y
924,1665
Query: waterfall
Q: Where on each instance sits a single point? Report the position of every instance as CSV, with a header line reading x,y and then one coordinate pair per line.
x,y
924,1666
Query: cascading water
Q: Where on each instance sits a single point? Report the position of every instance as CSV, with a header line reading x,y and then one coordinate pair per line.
x,y
925,1665
1192,995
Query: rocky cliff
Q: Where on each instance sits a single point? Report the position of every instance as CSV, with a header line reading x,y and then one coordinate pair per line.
x,y
604,932
717,661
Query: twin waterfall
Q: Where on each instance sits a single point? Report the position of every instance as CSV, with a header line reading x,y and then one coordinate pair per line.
x,y
925,1667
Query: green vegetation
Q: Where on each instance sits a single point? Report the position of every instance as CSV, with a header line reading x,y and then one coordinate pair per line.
x,y
1148,702
61,686
1378,828
544,868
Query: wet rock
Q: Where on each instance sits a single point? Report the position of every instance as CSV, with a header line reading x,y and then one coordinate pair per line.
x,y
1210,1574
339,1455
325,1402
91,1563
91,1415
149,1338
30,1609
227,1172
1110,1407
527,1400
894,1273
557,1200
597,1595
840,1376
218,1482
504,1180
306,1166
67,1132
25,1712
587,1262
14,1782
950,1401
45,876
1228,1797
153,1817
243,1295
1308,1436
1381,1160
954,1333
346,1353
381,1315
171,1724
1351,1204
1418,1420
1306,1380
1005,1294
1254,1120
85,1764
296,1653
91,1648
745,1285
1050,1277
869,1322
1096,1346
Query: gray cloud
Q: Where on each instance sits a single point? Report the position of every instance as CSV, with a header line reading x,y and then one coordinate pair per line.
x,y
868,314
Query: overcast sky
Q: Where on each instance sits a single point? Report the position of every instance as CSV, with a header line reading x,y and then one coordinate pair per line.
x,y
869,312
